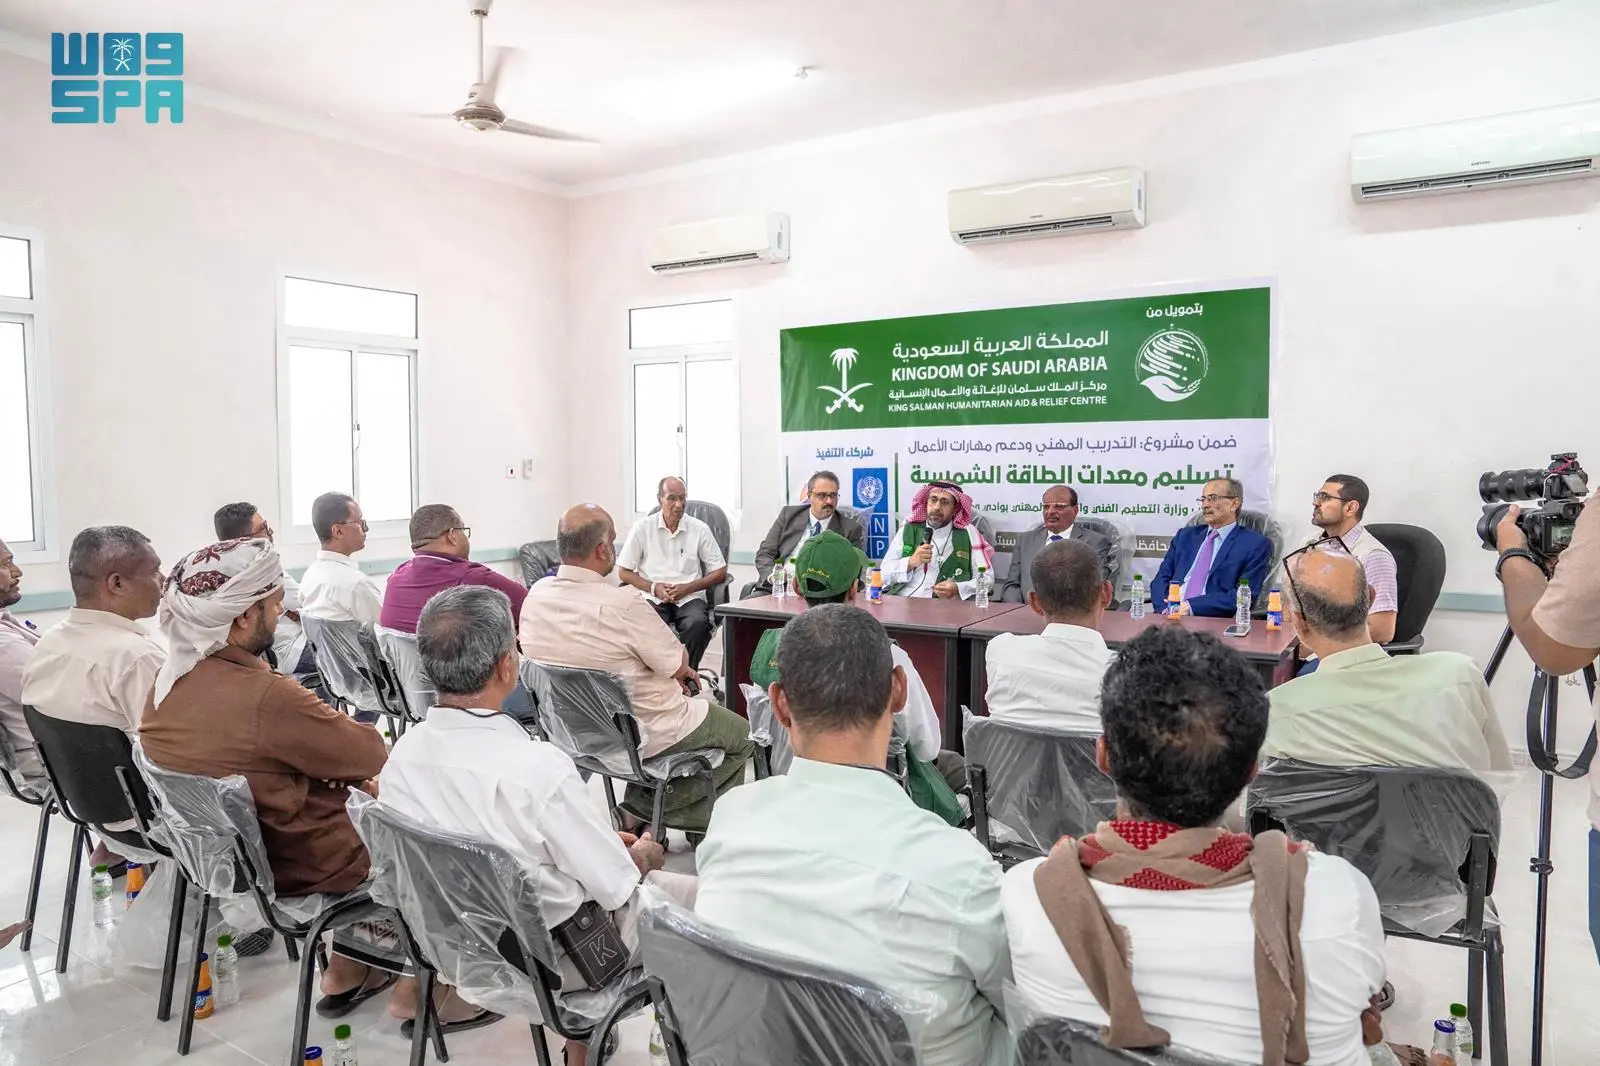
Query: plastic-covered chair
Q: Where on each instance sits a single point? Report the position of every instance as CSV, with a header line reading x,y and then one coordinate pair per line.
x,y
1064,1042
399,651
588,715
472,914
538,559
212,829
34,794
767,733
354,670
721,1001
1426,838
1123,537
1040,783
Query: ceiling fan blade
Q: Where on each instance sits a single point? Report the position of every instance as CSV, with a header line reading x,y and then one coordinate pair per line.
x,y
528,129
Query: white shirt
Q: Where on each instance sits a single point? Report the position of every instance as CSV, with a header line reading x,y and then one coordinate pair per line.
x,y
919,580
96,668
922,721
289,640
1049,681
335,590
1194,960
488,778
657,553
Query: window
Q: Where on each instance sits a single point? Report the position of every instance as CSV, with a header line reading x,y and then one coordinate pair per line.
x,y
685,402
347,390
24,403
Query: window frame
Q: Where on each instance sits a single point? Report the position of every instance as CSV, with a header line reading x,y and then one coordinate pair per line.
x,y
354,343
32,313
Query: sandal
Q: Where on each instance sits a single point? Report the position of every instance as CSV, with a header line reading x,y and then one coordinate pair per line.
x,y
477,1021
341,1003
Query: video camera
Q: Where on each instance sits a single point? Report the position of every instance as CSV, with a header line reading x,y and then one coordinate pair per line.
x,y
1560,489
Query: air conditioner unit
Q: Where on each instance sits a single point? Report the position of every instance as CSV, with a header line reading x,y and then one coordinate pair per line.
x,y
1049,207
720,242
1521,148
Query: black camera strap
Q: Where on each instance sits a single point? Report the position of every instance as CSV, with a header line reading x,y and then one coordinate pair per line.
x,y
1541,749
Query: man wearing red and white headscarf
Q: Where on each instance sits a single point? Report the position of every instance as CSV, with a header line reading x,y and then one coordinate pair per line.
x,y
938,550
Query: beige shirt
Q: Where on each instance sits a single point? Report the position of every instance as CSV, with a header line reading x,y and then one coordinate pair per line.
x,y
579,618
17,640
1050,680
335,590
676,558
95,668
1569,612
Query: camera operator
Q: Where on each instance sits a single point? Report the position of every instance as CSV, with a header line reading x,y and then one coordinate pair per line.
x,y
1557,622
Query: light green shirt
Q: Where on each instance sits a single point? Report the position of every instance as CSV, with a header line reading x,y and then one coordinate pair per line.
x,y
1363,707
836,866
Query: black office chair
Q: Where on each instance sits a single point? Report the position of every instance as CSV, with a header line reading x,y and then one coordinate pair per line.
x,y
721,1001
96,784
1125,542
1419,573
34,794
1063,1042
1425,838
538,559
1040,783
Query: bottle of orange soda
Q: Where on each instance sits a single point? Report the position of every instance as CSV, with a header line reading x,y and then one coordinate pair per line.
x,y
204,1005
135,882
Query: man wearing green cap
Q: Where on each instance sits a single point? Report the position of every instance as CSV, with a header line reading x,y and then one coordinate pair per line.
x,y
828,570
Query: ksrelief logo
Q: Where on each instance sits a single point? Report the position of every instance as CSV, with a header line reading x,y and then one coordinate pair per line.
x,y
1172,364
844,359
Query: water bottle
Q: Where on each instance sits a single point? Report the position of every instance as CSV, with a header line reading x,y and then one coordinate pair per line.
x,y
780,580
225,972
100,890
1465,1044
1380,1054
1136,597
1274,610
658,1045
1444,1044
981,597
1241,606
344,1048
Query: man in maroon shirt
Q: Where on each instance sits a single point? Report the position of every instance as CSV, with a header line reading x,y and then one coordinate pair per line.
x,y
442,545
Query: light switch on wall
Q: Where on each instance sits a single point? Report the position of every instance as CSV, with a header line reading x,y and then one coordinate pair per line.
x,y
527,468
511,471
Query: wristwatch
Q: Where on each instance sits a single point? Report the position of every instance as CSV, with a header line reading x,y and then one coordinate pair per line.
x,y
1514,553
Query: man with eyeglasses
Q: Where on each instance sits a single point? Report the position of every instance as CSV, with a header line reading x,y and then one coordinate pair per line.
x,y
1208,561
242,521
673,558
442,560
1337,510
799,523
1059,505
334,589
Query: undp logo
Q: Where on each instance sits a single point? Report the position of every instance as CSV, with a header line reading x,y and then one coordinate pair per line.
x,y
869,490
142,72
1172,364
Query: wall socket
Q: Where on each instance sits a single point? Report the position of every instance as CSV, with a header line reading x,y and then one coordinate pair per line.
x,y
511,470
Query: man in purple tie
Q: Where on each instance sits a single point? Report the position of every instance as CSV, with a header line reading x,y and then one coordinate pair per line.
x,y
1209,560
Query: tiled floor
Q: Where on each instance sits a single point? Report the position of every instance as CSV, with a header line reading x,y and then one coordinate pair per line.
x,y
103,1010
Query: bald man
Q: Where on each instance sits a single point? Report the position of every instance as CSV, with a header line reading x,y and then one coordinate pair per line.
x,y
580,618
1364,708
673,558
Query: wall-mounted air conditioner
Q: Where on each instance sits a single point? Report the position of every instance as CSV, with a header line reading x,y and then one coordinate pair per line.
x,y
719,242
1049,207
1521,148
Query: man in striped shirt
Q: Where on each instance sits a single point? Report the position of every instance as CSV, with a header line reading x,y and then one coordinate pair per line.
x,y
1337,509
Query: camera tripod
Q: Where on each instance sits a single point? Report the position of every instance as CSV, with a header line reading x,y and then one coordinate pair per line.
x,y
1543,693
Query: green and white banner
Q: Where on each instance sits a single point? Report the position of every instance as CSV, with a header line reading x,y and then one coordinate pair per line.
x,y
1134,402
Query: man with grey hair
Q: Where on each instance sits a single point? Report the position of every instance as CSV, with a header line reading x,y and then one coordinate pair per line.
x,y
834,864
1209,561
470,770
443,547
800,522
673,558
1363,707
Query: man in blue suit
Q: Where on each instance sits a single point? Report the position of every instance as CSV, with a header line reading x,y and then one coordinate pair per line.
x,y
1210,560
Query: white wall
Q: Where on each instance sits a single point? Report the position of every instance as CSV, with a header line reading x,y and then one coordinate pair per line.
x,y
163,247
1421,342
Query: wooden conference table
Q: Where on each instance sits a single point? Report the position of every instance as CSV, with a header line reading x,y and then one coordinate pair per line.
x,y
946,640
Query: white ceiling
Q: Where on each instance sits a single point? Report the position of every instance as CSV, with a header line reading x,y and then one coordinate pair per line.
x,y
666,82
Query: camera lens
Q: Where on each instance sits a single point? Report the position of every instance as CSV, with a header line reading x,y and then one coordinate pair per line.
x,y
1510,486
1488,520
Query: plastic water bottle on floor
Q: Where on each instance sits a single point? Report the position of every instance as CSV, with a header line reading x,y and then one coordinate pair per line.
x,y
1444,1044
1136,597
344,1047
225,972
1241,606
658,1044
100,890
980,598
1465,1044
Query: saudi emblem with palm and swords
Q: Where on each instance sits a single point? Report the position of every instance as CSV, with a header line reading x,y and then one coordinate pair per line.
x,y
844,359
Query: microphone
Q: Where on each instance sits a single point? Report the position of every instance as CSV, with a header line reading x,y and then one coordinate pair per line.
x,y
927,534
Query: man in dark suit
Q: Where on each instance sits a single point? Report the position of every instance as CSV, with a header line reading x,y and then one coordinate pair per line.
x,y
799,523
1060,508
1208,561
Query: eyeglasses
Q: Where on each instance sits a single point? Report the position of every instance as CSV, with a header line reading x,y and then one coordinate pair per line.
x,y
362,522
1323,497
824,495
1213,498
465,531
1332,542
1058,506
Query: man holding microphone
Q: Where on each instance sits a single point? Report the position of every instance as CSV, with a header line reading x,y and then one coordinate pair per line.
x,y
938,550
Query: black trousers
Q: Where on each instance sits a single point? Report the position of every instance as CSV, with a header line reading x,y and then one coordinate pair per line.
x,y
691,622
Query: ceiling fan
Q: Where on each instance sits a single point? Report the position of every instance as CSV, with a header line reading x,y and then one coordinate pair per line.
x,y
480,112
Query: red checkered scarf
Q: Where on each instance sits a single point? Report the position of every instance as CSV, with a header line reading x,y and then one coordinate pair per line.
x,y
919,503
1162,857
